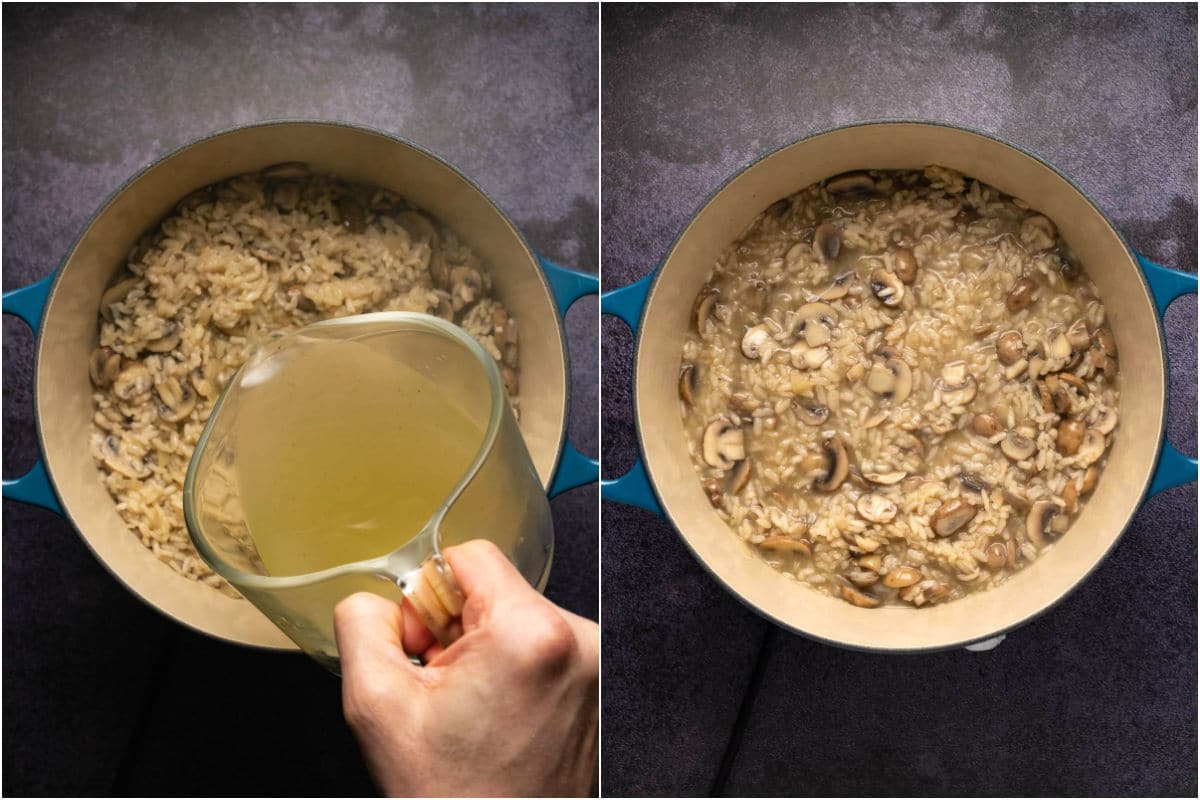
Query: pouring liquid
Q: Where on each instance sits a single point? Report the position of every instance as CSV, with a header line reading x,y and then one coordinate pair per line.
x,y
344,454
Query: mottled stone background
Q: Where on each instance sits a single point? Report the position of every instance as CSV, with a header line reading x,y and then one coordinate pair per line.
x,y
1098,697
101,694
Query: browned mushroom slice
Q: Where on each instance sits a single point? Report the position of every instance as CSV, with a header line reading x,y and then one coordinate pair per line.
x,y
871,561
1070,436
890,377
786,544
957,386
836,466
739,476
890,478
167,342
1073,380
758,344
951,516
723,444
851,183
1078,336
862,578
1104,341
986,425
115,294
804,357
1092,447
1090,477
104,366
815,322
688,384
902,577
511,384
1107,421
1010,347
857,598
1020,295
827,242
839,288
810,412
705,301
175,400
1070,497
286,170
1017,501
905,265
1060,398
887,287
744,403
1037,524
876,508
997,555
973,482
1017,447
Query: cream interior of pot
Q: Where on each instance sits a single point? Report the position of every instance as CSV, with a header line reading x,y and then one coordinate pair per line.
x,y
69,331
901,146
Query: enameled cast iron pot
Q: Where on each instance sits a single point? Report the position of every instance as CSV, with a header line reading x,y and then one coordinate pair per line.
x,y
62,311
1135,292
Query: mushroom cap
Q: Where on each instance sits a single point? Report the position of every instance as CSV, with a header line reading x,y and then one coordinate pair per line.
x,y
739,476
1017,447
1037,523
887,287
885,478
857,598
703,308
876,508
851,183
1010,347
837,465
687,383
810,412
723,444
951,516
755,342
839,288
902,576
115,294
1092,447
104,366
827,241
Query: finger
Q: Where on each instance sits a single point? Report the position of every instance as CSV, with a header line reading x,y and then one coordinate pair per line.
x,y
369,630
486,577
417,637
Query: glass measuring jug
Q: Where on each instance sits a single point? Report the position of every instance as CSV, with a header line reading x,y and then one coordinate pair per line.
x,y
345,456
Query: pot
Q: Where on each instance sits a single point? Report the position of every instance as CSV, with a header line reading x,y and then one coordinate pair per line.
x,y
1136,294
61,309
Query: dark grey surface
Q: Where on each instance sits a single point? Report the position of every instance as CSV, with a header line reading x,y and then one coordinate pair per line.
x,y
101,694
1097,697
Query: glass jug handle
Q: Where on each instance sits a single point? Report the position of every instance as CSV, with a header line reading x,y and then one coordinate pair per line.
x,y
434,593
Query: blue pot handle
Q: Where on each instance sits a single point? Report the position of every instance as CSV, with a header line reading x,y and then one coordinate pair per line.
x,y
567,285
1173,467
633,488
33,487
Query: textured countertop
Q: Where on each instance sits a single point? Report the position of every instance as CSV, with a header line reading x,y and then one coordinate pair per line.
x,y
102,694
700,695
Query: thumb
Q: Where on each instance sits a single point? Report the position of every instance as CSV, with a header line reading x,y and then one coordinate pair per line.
x,y
487,578
370,633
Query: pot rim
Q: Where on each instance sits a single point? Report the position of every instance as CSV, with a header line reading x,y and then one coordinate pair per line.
x,y
129,182
637,396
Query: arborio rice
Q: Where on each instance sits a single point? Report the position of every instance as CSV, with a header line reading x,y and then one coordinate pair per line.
x,y
236,265
899,387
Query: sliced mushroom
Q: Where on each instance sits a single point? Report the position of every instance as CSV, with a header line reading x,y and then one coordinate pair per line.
x,y
838,289
951,516
1105,343
1075,381
1037,524
887,287
1070,436
466,285
996,554
352,215
418,226
175,400
890,377
1014,371
973,482
202,384
744,403
1010,347
1020,295
805,357
958,387
1078,336
739,476
133,381
859,183
1089,481
119,461
876,508
1070,497
1037,233
723,444
905,262
1092,447
104,366
1017,447
164,344
1107,421
511,383
287,169
901,577
757,343
885,478
815,321
1060,398
862,577
115,294
986,425
827,242
857,598
810,412
701,311
836,466
786,544
688,380
1058,350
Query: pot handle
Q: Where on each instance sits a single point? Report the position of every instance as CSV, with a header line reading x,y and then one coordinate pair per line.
x,y
567,285
633,488
33,487
1173,468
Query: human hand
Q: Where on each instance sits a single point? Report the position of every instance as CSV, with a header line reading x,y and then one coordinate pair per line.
x,y
511,708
